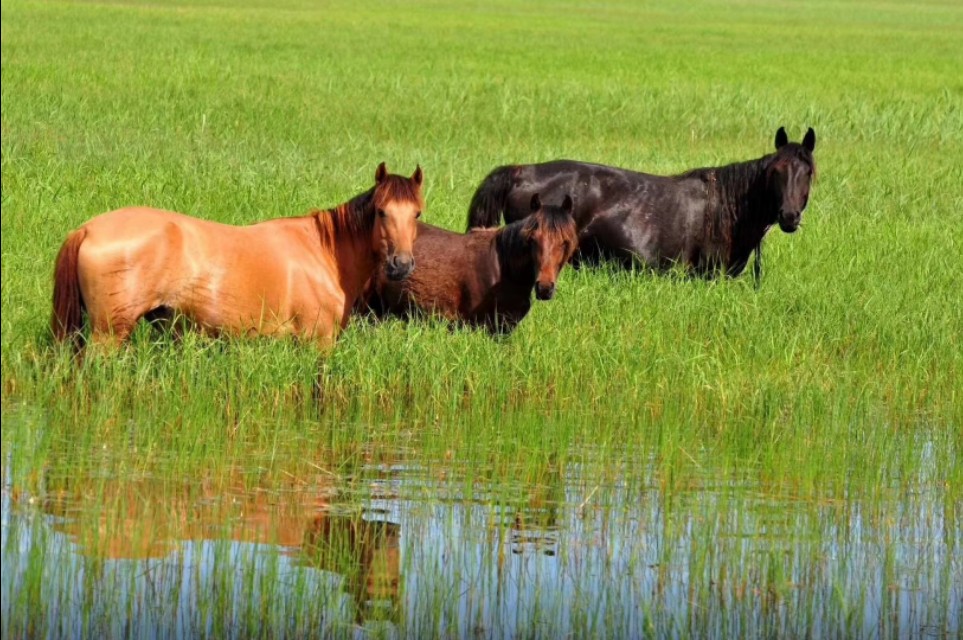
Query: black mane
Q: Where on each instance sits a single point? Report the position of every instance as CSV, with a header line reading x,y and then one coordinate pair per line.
x,y
513,250
738,192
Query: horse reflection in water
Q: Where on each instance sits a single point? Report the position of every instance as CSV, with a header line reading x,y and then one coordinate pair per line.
x,y
533,519
140,520
366,552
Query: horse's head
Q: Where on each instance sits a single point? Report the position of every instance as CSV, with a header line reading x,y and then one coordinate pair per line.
x,y
790,174
398,203
551,234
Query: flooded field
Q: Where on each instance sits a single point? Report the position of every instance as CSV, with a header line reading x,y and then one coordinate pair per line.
x,y
645,456
410,547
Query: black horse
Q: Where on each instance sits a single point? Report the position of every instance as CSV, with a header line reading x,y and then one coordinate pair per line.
x,y
709,220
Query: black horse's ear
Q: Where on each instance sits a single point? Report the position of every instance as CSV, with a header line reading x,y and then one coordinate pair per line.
x,y
810,140
781,138
381,173
418,176
536,203
568,205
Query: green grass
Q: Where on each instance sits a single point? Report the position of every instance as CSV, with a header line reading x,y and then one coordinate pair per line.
x,y
832,393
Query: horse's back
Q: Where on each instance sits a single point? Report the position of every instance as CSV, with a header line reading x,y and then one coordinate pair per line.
x,y
145,226
447,252
584,171
140,221
621,214
446,265
142,240
595,188
440,255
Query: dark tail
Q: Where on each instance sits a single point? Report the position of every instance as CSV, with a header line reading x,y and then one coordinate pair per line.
x,y
68,304
488,203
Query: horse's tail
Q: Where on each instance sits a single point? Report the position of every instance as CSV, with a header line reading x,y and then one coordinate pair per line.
x,y
488,203
68,304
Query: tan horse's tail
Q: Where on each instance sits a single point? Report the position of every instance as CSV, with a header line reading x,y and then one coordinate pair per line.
x,y
68,304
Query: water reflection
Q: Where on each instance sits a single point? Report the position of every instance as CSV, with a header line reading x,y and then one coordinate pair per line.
x,y
144,519
366,552
568,554
535,518
155,536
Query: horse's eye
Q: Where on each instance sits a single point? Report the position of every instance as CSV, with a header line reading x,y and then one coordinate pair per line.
x,y
418,215
381,213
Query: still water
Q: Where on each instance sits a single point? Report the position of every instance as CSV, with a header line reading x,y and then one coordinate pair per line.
x,y
421,550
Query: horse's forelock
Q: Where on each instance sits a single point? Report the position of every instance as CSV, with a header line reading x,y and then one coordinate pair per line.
x,y
790,152
513,237
557,220
795,151
396,188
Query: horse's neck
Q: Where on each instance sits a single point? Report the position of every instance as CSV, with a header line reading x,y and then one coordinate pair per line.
x,y
744,192
351,247
744,207
515,269
357,262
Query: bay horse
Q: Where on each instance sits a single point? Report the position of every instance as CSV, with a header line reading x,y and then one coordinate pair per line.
x,y
299,275
708,220
483,278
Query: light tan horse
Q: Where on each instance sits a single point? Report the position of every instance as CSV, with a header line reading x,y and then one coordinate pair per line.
x,y
297,276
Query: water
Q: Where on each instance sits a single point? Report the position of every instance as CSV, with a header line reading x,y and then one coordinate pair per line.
x,y
418,550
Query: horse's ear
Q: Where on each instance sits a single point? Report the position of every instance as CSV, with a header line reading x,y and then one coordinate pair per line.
x,y
781,138
418,176
536,203
810,140
568,205
381,173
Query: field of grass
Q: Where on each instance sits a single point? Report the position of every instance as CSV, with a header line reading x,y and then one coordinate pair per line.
x,y
645,455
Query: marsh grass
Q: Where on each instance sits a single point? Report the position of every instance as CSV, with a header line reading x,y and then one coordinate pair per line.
x,y
701,458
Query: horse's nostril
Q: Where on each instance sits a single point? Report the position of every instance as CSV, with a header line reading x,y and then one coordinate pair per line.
x,y
399,263
789,221
544,291
399,267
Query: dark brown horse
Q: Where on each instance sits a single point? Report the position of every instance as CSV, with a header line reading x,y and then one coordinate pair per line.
x,y
709,219
298,276
483,278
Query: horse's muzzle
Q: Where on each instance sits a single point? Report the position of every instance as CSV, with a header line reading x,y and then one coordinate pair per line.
x,y
789,222
399,267
544,291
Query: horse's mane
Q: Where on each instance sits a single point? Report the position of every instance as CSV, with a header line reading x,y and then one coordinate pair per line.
x,y
356,217
736,191
352,218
